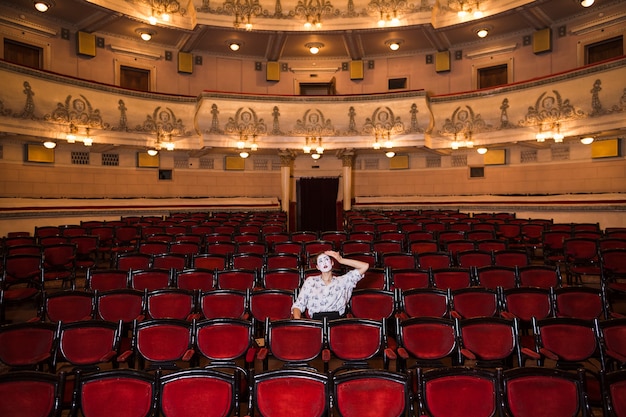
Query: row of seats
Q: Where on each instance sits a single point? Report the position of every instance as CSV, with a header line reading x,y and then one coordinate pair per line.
x,y
450,391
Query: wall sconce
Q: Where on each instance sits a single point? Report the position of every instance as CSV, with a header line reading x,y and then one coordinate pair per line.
x,y
587,3
145,33
314,47
244,154
152,152
50,144
44,5
588,140
390,154
316,156
394,44
482,150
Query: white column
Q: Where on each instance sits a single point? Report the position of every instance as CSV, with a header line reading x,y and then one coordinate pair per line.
x,y
347,159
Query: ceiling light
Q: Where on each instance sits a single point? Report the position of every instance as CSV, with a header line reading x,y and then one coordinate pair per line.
x,y
234,46
152,152
587,140
316,156
145,33
50,144
314,47
394,44
244,154
482,33
481,150
586,3
390,154
43,6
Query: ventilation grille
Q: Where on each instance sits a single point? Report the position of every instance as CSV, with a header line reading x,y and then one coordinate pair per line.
x,y
560,153
181,162
80,158
110,159
528,156
434,162
207,163
458,160
371,163
276,165
260,164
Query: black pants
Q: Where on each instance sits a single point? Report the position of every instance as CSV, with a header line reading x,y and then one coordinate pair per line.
x,y
330,315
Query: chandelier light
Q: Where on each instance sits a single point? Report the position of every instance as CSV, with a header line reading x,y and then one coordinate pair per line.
x,y
314,47
312,11
71,136
466,8
243,10
43,5
387,11
394,44
550,131
163,9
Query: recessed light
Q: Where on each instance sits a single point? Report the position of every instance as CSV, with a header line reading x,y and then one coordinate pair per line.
x,y
43,5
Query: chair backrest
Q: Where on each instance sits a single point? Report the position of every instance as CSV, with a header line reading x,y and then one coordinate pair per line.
x,y
511,257
355,341
425,302
210,261
67,306
474,258
29,345
236,279
175,261
490,341
565,339
427,340
170,303
223,341
452,278
282,260
132,260
407,279
613,342
398,260
542,276
95,390
290,392
535,391
294,342
417,246
281,278
30,393
581,302
374,278
525,303
106,279
89,343
371,392
224,304
150,279
372,304
288,246
614,393
433,260
496,276
387,246
475,302
271,304
162,342
198,393
458,392
126,305
250,261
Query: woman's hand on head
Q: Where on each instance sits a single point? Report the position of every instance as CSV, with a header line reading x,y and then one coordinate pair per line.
x,y
333,254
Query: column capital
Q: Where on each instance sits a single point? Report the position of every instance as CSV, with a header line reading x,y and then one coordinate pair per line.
x,y
287,157
347,157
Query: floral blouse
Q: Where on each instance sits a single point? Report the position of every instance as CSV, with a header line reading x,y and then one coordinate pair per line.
x,y
317,297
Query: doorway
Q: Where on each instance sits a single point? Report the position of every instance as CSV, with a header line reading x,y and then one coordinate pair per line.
x,y
316,203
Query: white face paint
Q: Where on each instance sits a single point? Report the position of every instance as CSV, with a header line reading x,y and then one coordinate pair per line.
x,y
324,263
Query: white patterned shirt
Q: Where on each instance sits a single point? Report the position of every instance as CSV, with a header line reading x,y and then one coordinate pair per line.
x,y
317,297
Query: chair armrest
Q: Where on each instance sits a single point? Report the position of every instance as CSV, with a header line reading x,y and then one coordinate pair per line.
x,y
530,353
403,353
326,355
34,320
549,354
194,316
108,356
390,354
455,315
188,355
468,354
507,315
615,315
262,354
124,356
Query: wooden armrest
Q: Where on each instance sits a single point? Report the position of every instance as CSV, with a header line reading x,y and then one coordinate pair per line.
x,y
262,354
390,354
455,315
326,355
530,353
188,355
468,354
507,315
549,354
108,356
403,353
251,354
124,356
